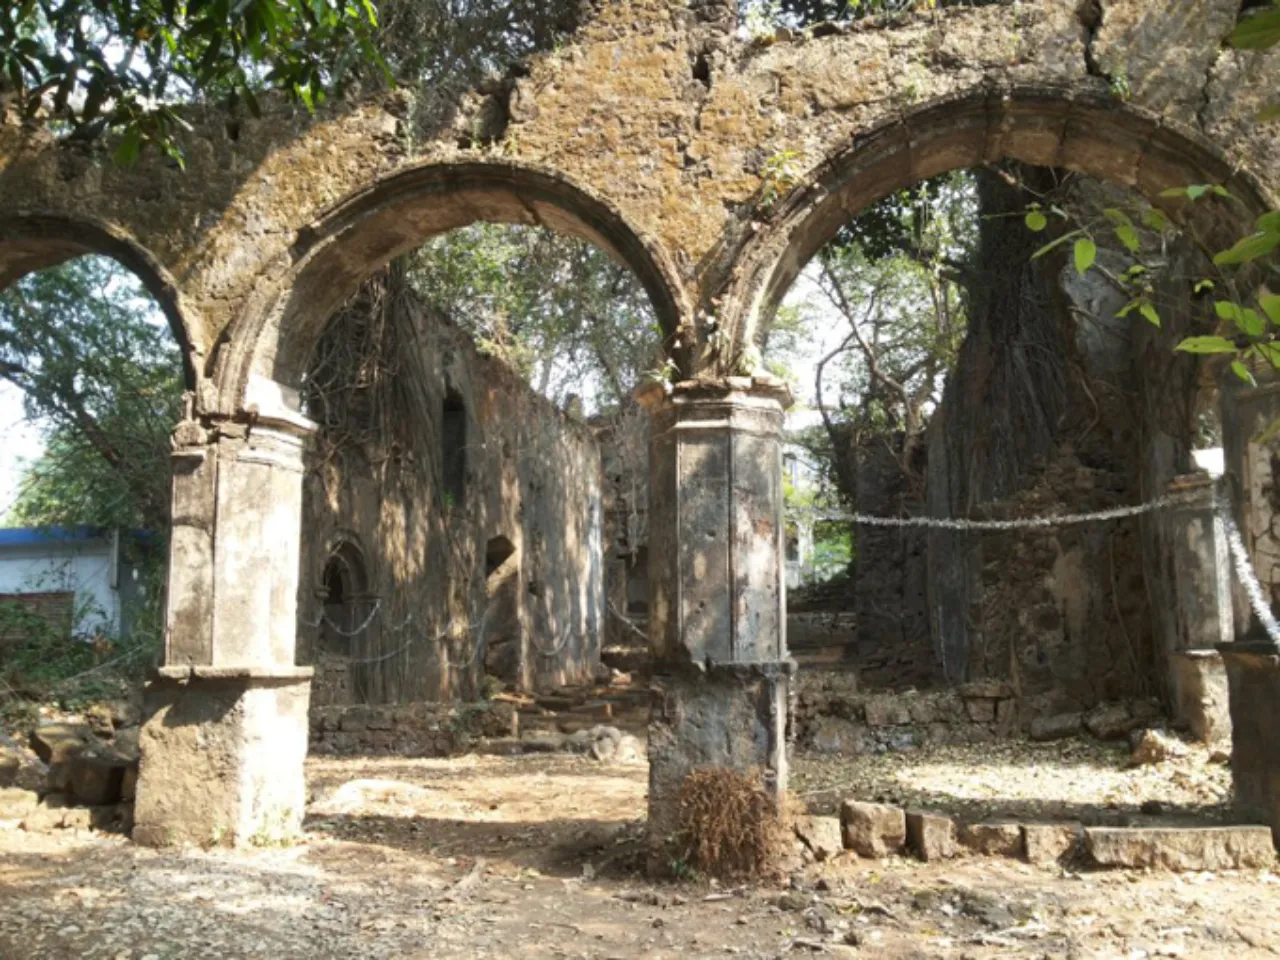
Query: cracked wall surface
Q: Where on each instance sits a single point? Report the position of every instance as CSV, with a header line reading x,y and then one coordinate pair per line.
x,y
650,132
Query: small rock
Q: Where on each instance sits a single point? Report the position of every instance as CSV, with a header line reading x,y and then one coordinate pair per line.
x,y
791,902
873,829
887,710
930,836
993,839
1155,746
1109,721
1220,756
821,835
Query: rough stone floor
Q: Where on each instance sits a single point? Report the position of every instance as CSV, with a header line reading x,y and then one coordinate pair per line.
x,y
538,856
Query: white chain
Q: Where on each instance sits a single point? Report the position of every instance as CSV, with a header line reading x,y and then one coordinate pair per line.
x,y
1244,573
1025,523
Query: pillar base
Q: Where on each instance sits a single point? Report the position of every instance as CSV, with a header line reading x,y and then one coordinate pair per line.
x,y
734,716
1253,676
222,751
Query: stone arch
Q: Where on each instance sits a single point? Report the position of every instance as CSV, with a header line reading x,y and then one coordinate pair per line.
x,y
31,242
1089,133
333,255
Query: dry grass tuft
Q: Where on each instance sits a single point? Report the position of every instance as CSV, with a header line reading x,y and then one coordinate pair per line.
x,y
729,825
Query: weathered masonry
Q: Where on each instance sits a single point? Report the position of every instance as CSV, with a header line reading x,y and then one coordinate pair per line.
x,y
649,133
452,518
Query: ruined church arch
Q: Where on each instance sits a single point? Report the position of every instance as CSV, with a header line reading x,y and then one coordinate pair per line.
x,y
1092,135
331,257
29,243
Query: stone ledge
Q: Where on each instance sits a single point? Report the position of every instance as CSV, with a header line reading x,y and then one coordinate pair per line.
x,y
232,672
1181,848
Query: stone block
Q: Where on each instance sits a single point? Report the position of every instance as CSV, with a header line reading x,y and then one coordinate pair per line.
x,y
222,759
354,720
1181,848
1048,843
1056,727
988,689
832,735
887,710
930,836
380,718
993,839
1007,714
1253,672
873,829
43,819
15,803
1200,691
1110,721
10,764
980,710
730,715
129,783
96,781
821,835
59,742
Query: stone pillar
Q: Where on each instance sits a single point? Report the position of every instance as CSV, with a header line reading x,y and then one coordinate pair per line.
x,y
1253,676
1252,459
1200,616
224,734
1251,452
717,594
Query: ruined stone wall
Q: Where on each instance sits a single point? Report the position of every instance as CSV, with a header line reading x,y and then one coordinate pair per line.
x,y
490,563
408,730
651,131
1070,616
624,454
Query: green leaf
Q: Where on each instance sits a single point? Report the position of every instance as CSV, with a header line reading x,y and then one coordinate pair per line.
x,y
1128,308
1054,243
1271,307
1269,352
1247,249
1269,223
1117,216
1086,252
1258,32
1226,310
1206,345
1202,285
130,146
1250,323
1154,218
1036,221
1196,191
1127,235
1241,371
1148,310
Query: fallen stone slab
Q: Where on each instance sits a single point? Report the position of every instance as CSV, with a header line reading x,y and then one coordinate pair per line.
x,y
873,829
60,742
930,836
1056,727
1110,721
16,803
1181,848
97,781
822,836
1049,843
993,839
10,764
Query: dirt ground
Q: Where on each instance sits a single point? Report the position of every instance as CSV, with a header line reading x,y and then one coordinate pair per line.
x,y
540,856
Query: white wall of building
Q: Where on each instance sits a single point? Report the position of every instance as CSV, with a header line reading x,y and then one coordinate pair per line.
x,y
83,565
